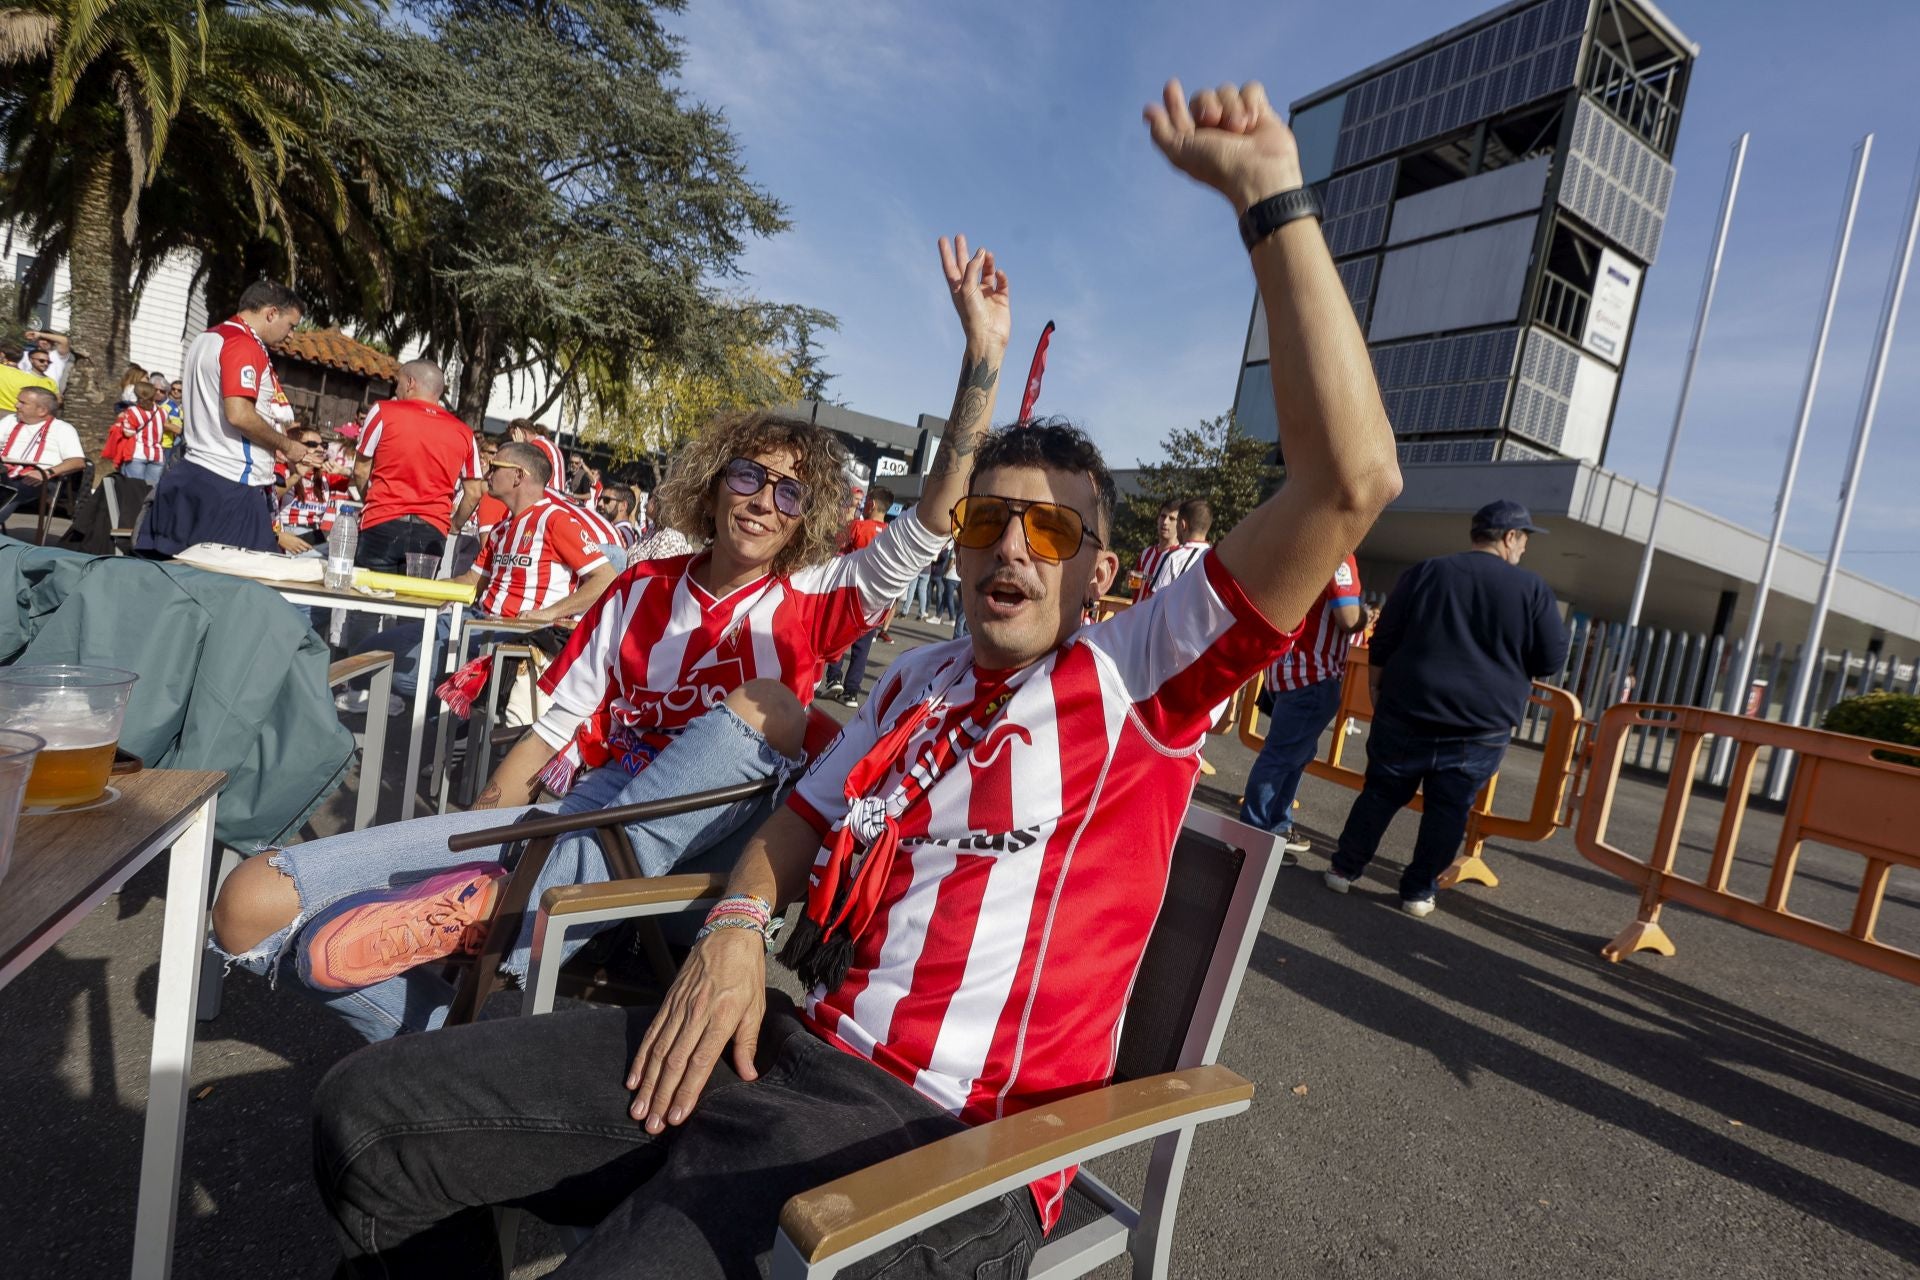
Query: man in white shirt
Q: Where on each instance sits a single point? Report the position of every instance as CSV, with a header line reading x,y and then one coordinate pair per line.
x,y
50,355
36,447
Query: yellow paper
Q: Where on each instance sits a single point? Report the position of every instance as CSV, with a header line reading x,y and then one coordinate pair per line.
x,y
423,588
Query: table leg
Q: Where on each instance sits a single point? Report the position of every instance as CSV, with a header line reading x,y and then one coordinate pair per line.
x,y
417,727
189,877
443,741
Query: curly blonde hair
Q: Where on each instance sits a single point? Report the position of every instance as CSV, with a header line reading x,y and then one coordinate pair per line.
x,y
688,495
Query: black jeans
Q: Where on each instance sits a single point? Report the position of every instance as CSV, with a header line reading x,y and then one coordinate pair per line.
x,y
413,1137
384,547
1401,760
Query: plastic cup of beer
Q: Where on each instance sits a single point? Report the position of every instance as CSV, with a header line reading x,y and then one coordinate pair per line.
x,y
423,564
17,752
78,711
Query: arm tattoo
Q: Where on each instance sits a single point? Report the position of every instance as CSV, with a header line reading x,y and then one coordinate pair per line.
x,y
969,417
490,798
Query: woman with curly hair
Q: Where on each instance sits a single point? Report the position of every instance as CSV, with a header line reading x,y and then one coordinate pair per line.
x,y
688,673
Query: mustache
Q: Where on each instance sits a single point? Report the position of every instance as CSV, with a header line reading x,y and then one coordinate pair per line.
x,y
1007,578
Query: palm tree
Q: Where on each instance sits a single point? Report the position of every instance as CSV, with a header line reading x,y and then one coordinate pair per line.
x,y
101,98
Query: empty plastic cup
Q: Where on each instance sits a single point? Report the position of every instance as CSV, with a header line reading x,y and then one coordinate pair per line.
x,y
78,711
17,752
423,564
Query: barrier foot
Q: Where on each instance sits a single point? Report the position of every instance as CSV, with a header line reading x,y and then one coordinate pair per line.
x,y
1641,935
1469,866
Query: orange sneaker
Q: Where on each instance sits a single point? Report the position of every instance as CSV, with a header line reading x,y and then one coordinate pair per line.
x,y
369,937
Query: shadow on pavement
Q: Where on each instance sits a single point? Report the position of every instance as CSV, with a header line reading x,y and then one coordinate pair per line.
x,y
1639,1023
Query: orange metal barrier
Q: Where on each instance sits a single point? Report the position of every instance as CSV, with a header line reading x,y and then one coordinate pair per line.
x,y
1841,796
1543,814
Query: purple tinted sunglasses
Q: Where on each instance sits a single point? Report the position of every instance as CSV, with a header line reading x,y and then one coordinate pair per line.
x,y
746,477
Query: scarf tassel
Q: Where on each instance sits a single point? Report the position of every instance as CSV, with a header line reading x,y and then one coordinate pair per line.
x,y
819,956
459,690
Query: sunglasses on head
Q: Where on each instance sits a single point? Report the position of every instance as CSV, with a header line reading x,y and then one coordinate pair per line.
x,y
1053,532
746,477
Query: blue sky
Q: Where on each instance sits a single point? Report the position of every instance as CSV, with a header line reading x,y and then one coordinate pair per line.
x,y
884,123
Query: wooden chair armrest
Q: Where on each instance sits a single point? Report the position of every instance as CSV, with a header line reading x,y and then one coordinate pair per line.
x,y
358,665
613,895
947,1176
618,816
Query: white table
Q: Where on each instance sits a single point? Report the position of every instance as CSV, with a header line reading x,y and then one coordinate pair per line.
x,y
65,865
315,595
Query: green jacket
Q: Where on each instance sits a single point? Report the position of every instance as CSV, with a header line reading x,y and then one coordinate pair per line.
x,y
231,676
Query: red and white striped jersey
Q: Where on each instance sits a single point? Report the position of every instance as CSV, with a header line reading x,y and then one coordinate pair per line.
x,y
143,444
1321,651
1172,563
656,649
1144,567
598,527
996,971
534,560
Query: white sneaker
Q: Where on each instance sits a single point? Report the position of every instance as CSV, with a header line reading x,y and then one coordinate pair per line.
x,y
1417,907
1293,843
351,700
1335,881
396,705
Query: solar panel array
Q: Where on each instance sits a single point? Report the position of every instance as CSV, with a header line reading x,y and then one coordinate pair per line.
x,y
1545,389
1514,451
1356,207
1520,59
1456,383
1615,182
1415,452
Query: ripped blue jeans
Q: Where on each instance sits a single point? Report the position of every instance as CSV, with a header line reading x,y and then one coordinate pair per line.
x,y
718,749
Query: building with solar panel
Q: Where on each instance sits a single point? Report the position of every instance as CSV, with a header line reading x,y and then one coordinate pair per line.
x,y
1494,197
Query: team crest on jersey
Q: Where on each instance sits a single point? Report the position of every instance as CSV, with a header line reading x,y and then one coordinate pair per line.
x,y
703,688
1343,576
988,749
249,377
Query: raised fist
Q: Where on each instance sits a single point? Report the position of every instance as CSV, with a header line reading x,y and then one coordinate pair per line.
x,y
1230,138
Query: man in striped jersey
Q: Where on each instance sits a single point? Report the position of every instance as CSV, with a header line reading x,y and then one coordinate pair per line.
x,y
1193,521
1305,684
1167,537
982,853
540,564
687,674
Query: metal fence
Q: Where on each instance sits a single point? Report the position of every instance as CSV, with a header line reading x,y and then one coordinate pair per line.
x,y
1609,663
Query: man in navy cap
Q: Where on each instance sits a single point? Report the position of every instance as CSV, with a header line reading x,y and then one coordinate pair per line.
x,y
1453,659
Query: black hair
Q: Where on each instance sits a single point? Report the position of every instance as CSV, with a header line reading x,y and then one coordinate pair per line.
x,y
1197,515
1057,445
262,294
882,495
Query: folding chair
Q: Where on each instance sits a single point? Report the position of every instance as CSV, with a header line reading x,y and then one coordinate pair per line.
x,y
1167,1082
530,843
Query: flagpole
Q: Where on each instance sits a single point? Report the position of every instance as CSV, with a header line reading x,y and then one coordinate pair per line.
x,y
1743,661
1869,403
1734,165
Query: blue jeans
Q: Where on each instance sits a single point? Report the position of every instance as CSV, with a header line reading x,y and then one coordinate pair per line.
x,y
147,472
716,750
1401,760
916,598
1299,716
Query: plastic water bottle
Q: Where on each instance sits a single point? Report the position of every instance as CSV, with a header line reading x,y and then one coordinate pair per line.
x,y
342,542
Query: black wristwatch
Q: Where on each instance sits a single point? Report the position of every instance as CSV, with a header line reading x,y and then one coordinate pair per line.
x,y
1267,216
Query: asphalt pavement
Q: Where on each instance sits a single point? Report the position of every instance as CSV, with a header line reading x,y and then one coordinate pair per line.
x,y
1478,1094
